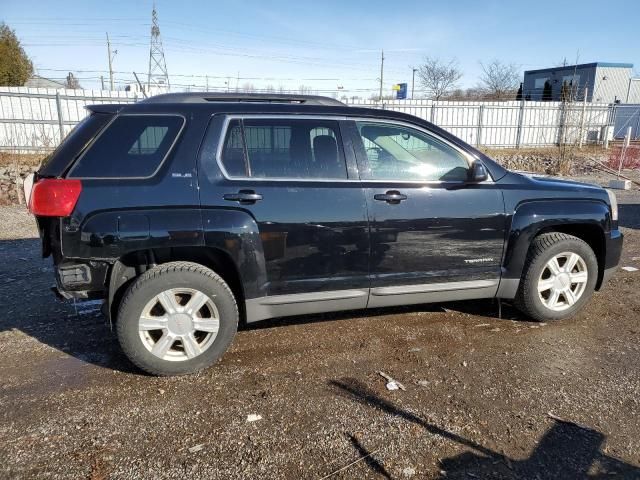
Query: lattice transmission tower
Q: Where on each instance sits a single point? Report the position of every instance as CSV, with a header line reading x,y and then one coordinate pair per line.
x,y
158,76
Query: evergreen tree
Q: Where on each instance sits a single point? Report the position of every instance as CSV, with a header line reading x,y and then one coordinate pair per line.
x,y
15,66
519,94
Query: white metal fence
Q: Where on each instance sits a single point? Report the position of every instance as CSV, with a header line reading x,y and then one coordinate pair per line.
x,y
511,123
36,119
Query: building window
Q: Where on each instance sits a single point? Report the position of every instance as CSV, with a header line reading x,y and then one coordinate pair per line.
x,y
571,78
539,82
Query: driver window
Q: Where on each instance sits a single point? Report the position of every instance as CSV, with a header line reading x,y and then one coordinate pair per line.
x,y
400,153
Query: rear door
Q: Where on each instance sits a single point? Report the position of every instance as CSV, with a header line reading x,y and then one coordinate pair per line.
x,y
433,235
294,178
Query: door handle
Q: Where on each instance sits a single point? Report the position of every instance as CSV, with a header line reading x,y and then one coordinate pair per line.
x,y
392,196
244,197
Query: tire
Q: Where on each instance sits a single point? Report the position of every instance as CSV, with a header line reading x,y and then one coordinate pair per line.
x,y
185,340
538,273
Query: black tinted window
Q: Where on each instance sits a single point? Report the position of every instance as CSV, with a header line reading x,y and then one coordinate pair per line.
x,y
401,153
131,146
284,149
233,153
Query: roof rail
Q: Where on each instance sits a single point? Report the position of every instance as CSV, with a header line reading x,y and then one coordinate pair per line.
x,y
203,97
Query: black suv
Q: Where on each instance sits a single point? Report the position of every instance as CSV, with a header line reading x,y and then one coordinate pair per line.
x,y
191,212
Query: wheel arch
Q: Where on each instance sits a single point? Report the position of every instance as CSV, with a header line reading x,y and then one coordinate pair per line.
x,y
588,220
133,264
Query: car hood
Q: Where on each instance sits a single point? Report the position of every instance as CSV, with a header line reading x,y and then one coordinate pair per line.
x,y
556,183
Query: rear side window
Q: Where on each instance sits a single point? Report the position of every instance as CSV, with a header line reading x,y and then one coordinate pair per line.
x,y
284,148
132,146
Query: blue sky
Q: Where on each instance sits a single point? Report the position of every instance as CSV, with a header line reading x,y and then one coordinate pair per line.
x,y
323,45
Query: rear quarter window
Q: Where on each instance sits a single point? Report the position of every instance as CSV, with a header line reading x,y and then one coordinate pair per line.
x,y
132,146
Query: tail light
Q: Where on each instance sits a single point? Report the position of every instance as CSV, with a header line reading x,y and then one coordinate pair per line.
x,y
54,197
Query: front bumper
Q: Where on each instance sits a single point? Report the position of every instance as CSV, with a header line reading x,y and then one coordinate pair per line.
x,y
613,249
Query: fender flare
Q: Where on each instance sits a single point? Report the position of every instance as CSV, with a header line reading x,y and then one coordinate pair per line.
x,y
232,232
533,217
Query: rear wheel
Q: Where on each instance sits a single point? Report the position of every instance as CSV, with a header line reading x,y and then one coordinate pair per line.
x,y
177,318
559,277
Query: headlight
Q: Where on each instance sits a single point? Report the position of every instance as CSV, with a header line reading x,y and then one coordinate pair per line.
x,y
614,205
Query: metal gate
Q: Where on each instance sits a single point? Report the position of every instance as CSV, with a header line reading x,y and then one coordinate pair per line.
x,y
627,116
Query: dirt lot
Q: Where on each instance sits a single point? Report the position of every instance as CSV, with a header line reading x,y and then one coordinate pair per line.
x,y
485,397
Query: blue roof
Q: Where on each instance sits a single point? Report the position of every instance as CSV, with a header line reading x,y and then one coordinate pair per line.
x,y
582,65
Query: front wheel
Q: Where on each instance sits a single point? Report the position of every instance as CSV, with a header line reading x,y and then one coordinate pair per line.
x,y
177,318
559,277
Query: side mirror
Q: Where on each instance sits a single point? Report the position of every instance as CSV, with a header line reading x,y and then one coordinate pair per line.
x,y
478,172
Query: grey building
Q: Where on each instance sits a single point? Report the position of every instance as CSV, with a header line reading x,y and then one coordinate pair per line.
x,y
37,81
603,82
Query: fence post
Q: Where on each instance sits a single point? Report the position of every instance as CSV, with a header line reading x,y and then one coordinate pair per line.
x,y
520,121
60,120
479,132
433,112
582,118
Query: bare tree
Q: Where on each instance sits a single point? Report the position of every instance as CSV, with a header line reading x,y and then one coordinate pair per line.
x,y
247,88
72,82
439,77
500,80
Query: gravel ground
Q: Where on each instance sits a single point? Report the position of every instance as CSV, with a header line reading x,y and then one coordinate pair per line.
x,y
486,397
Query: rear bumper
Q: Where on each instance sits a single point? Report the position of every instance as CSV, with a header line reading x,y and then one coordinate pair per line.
x,y
81,279
613,249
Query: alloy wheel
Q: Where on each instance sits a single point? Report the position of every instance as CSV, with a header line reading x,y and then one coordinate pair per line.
x,y
179,324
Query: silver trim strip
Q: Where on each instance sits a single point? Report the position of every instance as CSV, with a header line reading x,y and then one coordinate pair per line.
x,y
433,287
312,297
263,308
305,303
435,296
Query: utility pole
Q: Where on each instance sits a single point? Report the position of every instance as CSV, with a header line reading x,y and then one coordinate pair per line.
x,y
381,73
110,62
413,81
102,81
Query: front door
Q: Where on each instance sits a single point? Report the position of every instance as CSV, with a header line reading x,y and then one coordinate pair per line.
x,y
433,235
293,177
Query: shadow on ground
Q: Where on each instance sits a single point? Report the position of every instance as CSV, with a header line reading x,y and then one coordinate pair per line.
x,y
566,450
81,331
28,305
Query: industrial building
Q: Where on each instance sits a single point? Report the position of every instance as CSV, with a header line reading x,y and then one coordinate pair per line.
x,y
603,83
